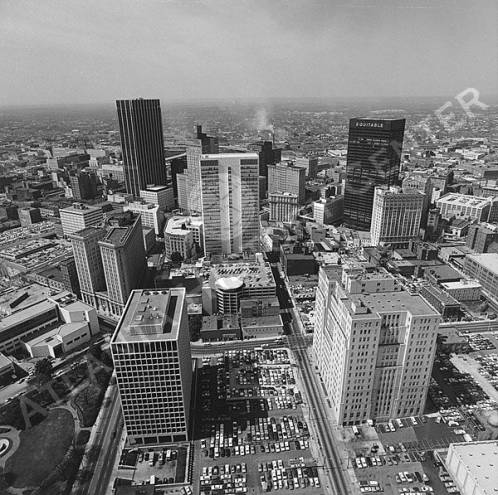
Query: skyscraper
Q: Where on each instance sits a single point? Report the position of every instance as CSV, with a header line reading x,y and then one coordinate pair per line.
x,y
89,263
374,152
396,216
374,344
153,365
285,177
230,202
203,145
123,258
142,143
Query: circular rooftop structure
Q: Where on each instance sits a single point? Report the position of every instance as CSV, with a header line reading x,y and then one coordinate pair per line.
x,y
229,283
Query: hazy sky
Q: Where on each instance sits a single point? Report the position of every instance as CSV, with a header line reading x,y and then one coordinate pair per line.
x,y
65,51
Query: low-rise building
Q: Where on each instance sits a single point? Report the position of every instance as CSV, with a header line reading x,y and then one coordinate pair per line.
x,y
483,267
59,341
463,290
262,326
472,466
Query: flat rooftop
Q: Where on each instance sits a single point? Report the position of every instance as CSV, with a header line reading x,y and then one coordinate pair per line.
x,y
481,462
394,302
489,261
464,200
224,156
251,274
151,315
26,314
461,284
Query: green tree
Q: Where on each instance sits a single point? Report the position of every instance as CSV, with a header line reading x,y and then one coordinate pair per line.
x,y
44,370
176,257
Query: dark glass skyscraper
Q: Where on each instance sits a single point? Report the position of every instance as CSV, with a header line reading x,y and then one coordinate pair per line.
x,y
142,143
374,152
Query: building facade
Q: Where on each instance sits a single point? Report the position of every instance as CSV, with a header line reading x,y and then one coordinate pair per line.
x,y
374,344
373,159
88,262
329,211
284,206
286,177
483,267
142,143
396,216
123,258
454,205
79,217
230,203
162,196
153,366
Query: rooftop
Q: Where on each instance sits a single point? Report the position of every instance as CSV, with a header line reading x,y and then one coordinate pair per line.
x,y
26,314
238,156
481,462
56,335
464,200
489,261
151,315
15,299
250,274
393,302
462,284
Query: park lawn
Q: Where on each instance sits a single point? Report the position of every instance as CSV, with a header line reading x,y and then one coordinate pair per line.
x,y
42,448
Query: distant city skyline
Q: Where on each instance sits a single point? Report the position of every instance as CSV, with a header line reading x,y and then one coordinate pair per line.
x,y
90,52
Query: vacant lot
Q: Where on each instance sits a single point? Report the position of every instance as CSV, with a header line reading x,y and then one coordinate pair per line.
x,y
42,449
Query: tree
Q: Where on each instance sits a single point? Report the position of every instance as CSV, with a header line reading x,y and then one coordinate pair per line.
x,y
176,257
96,351
44,370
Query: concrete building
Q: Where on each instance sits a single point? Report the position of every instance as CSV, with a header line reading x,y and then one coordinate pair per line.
x,y
14,329
374,344
310,164
150,214
182,198
142,143
202,145
472,466
83,185
79,217
230,282
162,196
178,239
230,203
463,206
483,267
88,262
463,290
328,211
153,366
261,326
284,206
285,177
396,216
59,341
123,258
482,238
29,216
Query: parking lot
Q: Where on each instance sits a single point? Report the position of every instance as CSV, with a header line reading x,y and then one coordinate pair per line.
x,y
251,436
153,465
396,457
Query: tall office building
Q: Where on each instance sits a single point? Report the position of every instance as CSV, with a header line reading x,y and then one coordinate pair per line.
x,y
142,143
153,364
268,155
329,211
79,216
89,263
374,152
285,177
123,257
230,203
374,344
396,216
84,185
203,144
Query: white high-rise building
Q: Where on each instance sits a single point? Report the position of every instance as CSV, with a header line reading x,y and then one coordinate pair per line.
x,y
80,216
151,214
374,344
396,216
162,196
153,365
230,202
